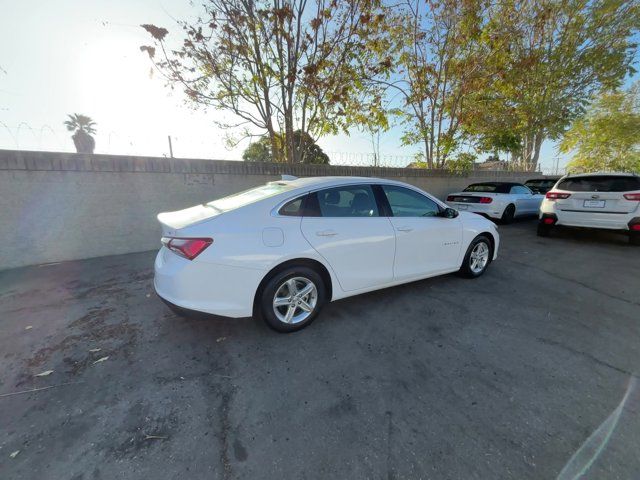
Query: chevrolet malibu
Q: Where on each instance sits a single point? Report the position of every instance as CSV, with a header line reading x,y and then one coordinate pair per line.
x,y
282,250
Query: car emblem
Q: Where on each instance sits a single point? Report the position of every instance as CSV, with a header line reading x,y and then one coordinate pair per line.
x,y
595,196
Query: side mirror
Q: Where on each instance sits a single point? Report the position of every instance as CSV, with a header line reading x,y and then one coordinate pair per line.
x,y
449,213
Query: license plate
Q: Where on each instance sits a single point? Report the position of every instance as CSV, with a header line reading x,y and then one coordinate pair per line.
x,y
594,203
462,207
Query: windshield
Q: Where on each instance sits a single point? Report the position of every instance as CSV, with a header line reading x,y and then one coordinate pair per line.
x,y
249,196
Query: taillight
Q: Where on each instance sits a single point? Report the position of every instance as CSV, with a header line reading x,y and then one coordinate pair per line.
x,y
557,195
188,248
634,197
486,199
548,220
450,198
635,227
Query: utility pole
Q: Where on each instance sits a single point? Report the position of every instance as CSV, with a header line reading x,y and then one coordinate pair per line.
x,y
170,147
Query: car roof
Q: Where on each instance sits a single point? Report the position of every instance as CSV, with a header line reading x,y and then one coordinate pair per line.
x,y
601,174
313,182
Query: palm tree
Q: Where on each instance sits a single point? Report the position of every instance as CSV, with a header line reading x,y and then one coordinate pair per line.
x,y
83,127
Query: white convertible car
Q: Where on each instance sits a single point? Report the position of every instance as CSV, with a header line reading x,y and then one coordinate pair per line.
x,y
498,200
282,250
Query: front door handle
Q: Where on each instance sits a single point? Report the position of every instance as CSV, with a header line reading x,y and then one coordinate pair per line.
x,y
326,233
404,229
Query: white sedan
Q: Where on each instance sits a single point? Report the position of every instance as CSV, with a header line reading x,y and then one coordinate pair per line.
x,y
282,250
498,200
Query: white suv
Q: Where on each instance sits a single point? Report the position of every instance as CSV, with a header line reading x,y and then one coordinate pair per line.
x,y
597,200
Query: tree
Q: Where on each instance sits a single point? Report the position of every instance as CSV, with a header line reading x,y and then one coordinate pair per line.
x,y
549,58
607,136
438,64
83,128
462,163
260,151
278,65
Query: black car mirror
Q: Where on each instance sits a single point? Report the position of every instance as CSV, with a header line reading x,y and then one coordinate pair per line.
x,y
449,213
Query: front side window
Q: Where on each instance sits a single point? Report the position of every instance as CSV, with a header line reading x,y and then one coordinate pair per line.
x,y
520,190
405,202
347,201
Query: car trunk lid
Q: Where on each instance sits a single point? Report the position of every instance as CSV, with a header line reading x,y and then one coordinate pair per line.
x,y
171,222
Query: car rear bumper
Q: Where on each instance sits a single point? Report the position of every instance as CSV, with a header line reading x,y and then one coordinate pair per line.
x,y
205,287
608,221
488,210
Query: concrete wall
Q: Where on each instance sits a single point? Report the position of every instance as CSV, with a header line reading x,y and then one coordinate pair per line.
x,y
60,206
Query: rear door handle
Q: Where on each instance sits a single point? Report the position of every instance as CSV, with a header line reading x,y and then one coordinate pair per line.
x,y
404,229
326,233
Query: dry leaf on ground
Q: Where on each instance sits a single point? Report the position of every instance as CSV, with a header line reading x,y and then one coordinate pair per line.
x,y
94,350
100,360
14,454
44,374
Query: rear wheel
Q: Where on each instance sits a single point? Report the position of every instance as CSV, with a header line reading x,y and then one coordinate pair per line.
x,y
477,258
292,299
508,214
634,238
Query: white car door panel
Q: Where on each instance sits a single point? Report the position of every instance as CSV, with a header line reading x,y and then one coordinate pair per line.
x,y
425,242
348,232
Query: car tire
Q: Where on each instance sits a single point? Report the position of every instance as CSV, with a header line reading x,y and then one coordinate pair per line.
x,y
480,249
634,239
286,286
508,214
543,230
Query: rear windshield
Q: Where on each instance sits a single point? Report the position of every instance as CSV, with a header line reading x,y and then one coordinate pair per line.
x,y
248,196
540,183
604,183
488,187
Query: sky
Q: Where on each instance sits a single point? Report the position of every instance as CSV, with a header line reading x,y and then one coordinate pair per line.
x,y
82,56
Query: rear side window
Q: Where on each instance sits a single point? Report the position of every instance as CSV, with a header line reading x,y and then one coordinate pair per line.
x,y
347,201
293,208
405,202
604,183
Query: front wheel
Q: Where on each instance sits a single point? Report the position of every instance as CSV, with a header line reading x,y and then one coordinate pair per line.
x,y
292,299
477,258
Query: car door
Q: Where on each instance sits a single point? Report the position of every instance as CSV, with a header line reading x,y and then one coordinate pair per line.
x,y
426,243
524,199
344,225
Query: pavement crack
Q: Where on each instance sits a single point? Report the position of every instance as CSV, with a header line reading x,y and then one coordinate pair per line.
x,y
589,356
573,280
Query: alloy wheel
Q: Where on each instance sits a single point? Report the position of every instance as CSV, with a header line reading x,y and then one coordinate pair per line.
x,y
479,257
295,300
